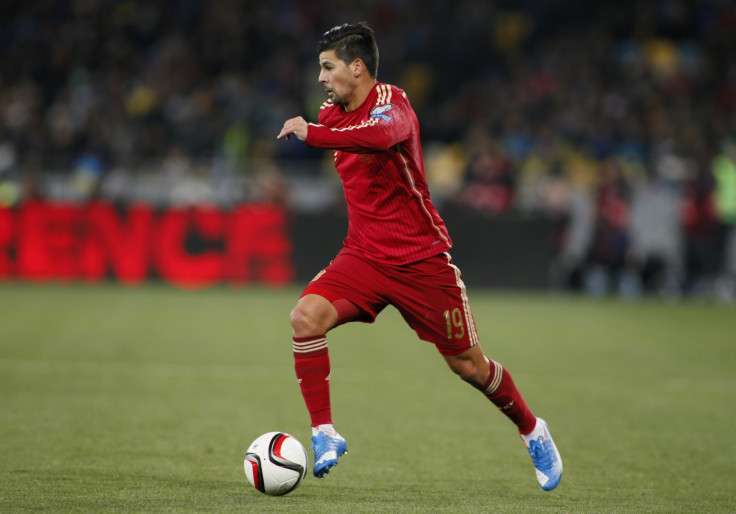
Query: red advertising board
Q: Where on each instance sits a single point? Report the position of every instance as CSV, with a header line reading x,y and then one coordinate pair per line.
x,y
188,247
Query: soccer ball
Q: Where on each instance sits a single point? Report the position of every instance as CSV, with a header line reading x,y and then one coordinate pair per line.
x,y
275,463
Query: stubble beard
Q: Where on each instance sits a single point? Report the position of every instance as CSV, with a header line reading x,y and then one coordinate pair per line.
x,y
336,99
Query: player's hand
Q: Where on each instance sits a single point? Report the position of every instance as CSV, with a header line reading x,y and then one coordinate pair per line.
x,y
296,126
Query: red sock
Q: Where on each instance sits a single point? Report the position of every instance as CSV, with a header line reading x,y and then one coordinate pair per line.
x,y
312,365
502,392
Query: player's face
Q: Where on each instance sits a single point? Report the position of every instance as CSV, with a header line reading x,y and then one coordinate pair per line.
x,y
336,77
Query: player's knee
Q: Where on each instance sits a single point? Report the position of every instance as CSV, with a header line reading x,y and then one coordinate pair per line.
x,y
301,322
306,322
313,315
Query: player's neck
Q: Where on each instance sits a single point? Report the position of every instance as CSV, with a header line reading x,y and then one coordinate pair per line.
x,y
361,93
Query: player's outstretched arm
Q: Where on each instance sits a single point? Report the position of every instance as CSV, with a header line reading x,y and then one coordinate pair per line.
x,y
387,126
296,126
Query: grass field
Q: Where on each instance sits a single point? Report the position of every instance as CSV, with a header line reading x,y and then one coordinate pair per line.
x,y
145,399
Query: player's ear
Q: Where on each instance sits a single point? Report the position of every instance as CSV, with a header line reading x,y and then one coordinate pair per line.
x,y
357,67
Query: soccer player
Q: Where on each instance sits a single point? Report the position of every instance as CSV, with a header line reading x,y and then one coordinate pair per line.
x,y
395,252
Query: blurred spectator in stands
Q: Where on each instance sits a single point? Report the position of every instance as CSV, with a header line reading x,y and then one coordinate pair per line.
x,y
270,187
724,199
489,176
610,243
654,260
700,224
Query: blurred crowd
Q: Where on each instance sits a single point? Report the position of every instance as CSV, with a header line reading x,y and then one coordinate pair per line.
x,y
616,120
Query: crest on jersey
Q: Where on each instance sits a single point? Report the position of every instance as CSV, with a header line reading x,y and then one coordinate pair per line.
x,y
380,112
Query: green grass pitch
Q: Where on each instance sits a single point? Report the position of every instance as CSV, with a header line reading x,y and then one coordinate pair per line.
x,y
145,399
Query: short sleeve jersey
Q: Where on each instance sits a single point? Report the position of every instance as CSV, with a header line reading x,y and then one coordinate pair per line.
x,y
378,155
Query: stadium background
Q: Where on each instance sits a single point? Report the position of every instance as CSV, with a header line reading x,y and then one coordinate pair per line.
x,y
578,146
137,140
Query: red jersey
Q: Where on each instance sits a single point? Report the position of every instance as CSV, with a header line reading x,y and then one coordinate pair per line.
x,y
378,156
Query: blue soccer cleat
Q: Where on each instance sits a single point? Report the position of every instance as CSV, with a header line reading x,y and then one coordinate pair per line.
x,y
546,459
327,448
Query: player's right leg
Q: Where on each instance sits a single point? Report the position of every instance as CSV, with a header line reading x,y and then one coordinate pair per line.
x,y
327,448
341,293
312,317
316,312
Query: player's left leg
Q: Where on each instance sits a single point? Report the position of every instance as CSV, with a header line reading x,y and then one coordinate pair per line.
x,y
495,382
431,297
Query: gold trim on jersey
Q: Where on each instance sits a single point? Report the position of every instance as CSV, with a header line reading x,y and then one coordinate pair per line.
x,y
469,323
384,94
366,123
412,185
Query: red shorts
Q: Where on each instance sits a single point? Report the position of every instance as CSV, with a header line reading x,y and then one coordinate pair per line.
x,y
429,294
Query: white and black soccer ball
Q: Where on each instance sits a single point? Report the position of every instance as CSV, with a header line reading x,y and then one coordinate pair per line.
x,y
275,463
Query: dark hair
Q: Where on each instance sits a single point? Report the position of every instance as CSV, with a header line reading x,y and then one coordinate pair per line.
x,y
352,41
